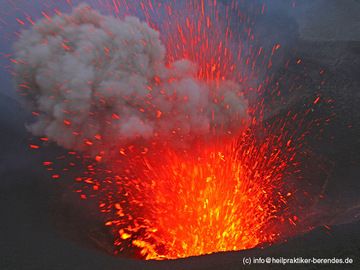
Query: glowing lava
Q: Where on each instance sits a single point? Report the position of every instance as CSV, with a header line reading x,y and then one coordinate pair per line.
x,y
228,196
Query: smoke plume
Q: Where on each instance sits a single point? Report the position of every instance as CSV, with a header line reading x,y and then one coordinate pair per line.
x,y
97,82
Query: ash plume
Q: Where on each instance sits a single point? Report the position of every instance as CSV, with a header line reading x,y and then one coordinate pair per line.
x,y
96,82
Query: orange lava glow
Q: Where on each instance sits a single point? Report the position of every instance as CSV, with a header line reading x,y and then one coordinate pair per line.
x,y
225,197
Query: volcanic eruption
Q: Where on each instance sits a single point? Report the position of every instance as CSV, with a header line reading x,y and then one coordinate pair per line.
x,y
182,165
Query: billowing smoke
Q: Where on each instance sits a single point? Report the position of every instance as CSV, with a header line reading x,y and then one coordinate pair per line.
x,y
97,82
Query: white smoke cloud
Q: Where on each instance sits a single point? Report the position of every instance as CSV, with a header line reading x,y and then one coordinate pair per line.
x,y
98,82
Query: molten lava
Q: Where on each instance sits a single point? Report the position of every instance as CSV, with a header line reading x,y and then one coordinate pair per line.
x,y
221,197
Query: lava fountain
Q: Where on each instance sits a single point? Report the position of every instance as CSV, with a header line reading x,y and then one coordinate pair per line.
x,y
181,162
226,196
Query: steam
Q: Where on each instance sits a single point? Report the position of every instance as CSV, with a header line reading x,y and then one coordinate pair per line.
x,y
99,81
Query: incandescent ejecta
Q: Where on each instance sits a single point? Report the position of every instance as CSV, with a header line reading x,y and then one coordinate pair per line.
x,y
186,172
